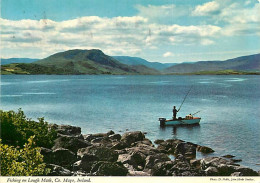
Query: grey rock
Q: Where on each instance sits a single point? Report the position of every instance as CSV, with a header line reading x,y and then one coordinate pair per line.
x,y
70,142
142,148
245,171
83,165
236,174
131,137
162,169
47,155
211,171
115,137
109,169
213,161
158,141
228,156
186,149
195,163
68,130
135,159
56,170
63,157
90,137
120,145
100,153
152,160
204,149
138,173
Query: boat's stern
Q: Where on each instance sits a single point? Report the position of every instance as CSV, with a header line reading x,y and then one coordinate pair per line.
x,y
162,121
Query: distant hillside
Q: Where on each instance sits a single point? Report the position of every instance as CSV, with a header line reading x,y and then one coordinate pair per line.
x,y
17,60
245,63
76,62
140,61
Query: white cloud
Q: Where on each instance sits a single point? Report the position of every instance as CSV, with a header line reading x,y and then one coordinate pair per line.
x,y
236,18
115,36
207,9
164,13
168,54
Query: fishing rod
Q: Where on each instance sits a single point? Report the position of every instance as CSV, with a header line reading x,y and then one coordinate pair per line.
x,y
196,113
184,98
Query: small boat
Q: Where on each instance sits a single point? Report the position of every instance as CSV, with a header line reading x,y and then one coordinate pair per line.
x,y
188,120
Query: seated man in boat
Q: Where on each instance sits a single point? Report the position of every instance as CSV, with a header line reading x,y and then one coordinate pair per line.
x,y
174,111
189,116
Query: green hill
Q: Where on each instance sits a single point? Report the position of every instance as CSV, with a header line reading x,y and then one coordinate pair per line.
x,y
249,63
76,62
140,61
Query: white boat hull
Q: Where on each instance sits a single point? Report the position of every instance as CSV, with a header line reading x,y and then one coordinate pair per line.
x,y
193,121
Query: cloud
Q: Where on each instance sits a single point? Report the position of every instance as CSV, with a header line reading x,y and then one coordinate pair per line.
x,y
236,18
168,54
207,9
115,36
164,13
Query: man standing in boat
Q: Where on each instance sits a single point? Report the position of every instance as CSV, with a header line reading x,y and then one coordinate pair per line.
x,y
174,111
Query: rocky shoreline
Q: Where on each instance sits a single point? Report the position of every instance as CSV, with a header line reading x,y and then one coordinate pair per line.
x,y
131,154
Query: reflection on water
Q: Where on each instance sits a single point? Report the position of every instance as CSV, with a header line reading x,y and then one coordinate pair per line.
x,y
175,128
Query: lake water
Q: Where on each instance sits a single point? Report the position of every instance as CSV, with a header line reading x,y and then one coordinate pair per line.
x,y
229,107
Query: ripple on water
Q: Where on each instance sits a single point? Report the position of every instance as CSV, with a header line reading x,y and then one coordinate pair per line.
x,y
236,79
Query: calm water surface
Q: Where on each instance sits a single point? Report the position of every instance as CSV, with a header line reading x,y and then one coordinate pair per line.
x,y
229,107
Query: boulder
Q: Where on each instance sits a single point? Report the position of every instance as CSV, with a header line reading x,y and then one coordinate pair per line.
x,y
152,160
236,174
158,141
99,153
213,161
236,160
56,170
186,149
142,148
211,171
162,149
245,171
67,130
47,155
228,156
90,137
84,165
131,137
226,170
115,137
135,159
143,142
204,149
169,145
104,168
70,142
63,157
162,169
120,145
195,163
138,173
182,167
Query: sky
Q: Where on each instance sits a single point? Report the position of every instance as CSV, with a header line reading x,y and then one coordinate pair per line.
x,y
167,31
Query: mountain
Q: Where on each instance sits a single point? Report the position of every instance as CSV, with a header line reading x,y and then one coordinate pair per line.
x,y
140,61
244,63
77,62
17,60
